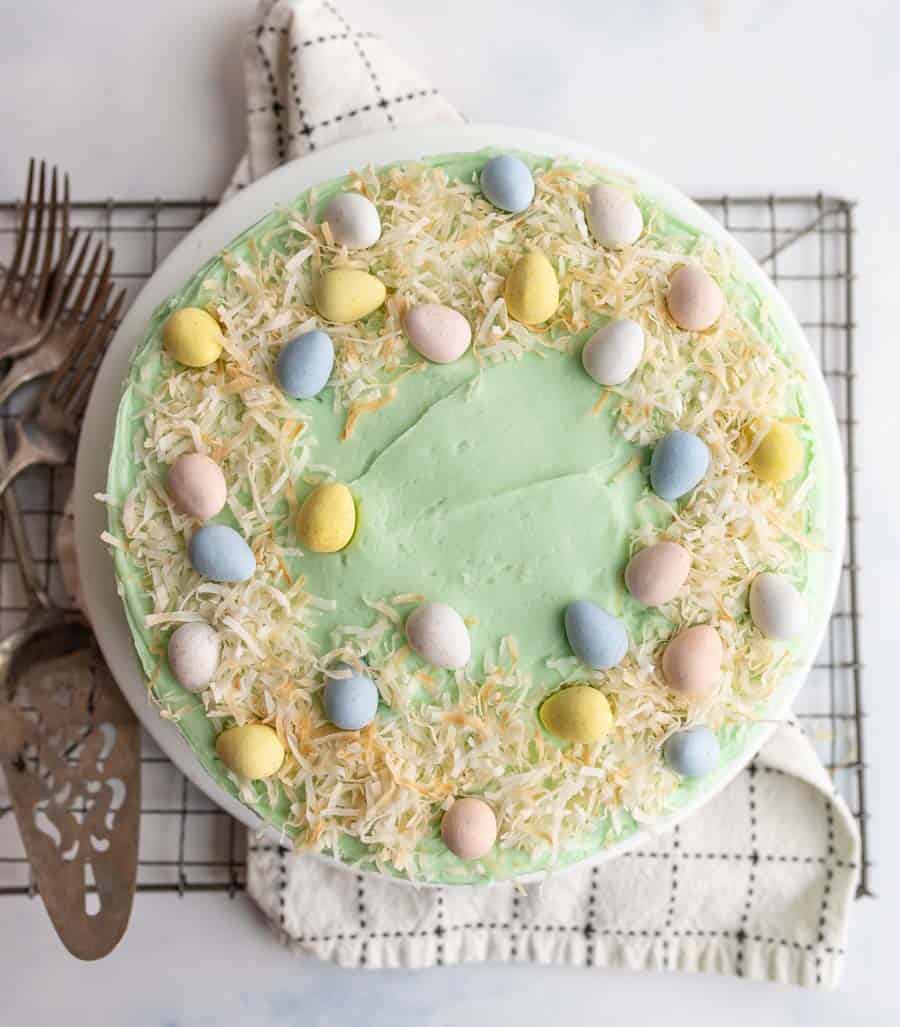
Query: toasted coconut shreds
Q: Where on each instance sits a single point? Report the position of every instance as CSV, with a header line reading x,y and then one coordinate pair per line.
x,y
476,732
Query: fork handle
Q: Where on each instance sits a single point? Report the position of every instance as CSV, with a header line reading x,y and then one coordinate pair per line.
x,y
34,589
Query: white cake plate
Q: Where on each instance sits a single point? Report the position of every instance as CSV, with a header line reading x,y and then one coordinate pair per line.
x,y
104,606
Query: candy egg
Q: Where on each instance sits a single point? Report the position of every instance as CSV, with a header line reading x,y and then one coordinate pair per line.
x,y
220,554
197,486
679,462
692,752
350,703
194,655
532,291
250,750
692,661
655,574
304,365
353,220
578,713
777,608
347,294
441,334
192,337
469,828
614,217
779,457
439,635
507,182
597,638
611,355
695,301
327,518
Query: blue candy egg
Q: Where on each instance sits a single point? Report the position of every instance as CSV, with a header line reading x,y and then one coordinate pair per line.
x,y
506,181
304,365
597,638
678,464
220,554
692,752
350,703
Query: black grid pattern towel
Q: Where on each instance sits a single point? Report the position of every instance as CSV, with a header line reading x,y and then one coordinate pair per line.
x,y
759,884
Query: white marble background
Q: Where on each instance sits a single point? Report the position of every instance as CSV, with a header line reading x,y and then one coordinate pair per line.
x,y
722,95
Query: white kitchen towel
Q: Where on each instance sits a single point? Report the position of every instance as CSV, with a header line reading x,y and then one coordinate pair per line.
x,y
759,884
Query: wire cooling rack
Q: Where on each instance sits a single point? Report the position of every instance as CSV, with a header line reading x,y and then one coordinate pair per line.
x,y
805,243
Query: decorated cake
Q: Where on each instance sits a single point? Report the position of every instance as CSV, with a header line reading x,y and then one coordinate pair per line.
x,y
466,514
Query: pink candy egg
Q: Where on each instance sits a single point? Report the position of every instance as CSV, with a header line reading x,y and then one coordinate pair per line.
x,y
655,574
197,486
439,635
469,828
692,661
695,301
441,334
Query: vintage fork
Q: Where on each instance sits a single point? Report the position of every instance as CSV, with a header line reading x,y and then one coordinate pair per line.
x,y
27,307
49,432
60,337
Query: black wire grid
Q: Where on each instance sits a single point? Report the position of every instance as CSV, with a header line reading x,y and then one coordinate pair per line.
x,y
188,844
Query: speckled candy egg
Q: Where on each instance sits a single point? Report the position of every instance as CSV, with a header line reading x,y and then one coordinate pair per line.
x,y
655,574
578,713
692,661
250,750
597,638
353,220
614,217
695,301
192,337
197,486
469,828
350,702
327,518
304,365
532,291
441,334
692,752
193,652
611,355
507,182
220,554
439,635
777,608
679,462
348,294
779,456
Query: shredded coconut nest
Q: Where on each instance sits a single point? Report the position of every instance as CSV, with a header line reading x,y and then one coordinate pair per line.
x,y
472,732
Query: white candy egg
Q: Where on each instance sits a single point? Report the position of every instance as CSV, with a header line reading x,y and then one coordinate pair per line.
x,y
615,218
439,635
611,355
777,608
353,220
194,650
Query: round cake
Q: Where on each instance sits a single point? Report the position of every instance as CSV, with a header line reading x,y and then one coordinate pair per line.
x,y
467,514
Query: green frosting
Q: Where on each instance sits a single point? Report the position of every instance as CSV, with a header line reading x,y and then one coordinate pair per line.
x,y
496,490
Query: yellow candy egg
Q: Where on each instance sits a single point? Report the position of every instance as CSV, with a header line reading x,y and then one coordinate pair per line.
x,y
346,294
327,519
532,291
577,714
192,337
779,457
250,750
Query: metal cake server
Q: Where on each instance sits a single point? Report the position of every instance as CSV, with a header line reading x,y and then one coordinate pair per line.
x,y
70,751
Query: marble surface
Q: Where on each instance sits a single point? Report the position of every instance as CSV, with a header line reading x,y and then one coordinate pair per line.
x,y
720,95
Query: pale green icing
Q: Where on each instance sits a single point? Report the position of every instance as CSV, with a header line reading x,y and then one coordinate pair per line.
x,y
491,489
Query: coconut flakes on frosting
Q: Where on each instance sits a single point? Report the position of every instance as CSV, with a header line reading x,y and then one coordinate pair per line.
x,y
473,732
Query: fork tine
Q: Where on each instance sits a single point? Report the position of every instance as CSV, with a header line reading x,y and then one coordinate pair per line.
x,y
40,287
71,275
81,390
12,272
56,386
39,209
